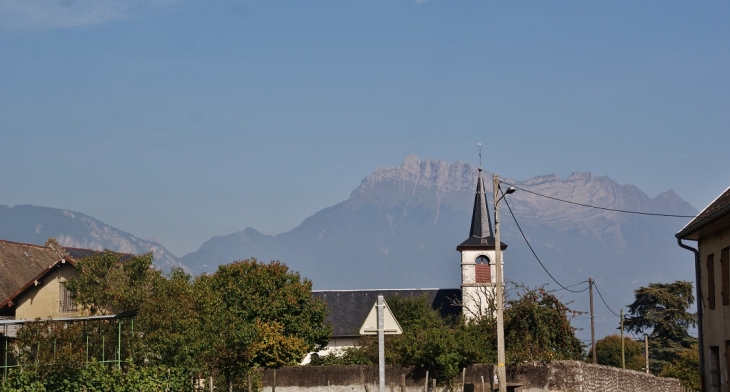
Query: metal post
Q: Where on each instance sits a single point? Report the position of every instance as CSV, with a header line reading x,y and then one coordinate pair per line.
x,y
5,360
593,316
500,294
119,344
381,344
86,336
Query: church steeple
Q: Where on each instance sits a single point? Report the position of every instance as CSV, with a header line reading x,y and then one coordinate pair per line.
x,y
478,256
480,232
481,221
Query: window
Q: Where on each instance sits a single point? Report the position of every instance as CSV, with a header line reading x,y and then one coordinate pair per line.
x,y
483,270
714,369
727,357
711,280
725,276
66,301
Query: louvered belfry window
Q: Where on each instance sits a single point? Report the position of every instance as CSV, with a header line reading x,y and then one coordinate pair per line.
x,y
66,302
482,270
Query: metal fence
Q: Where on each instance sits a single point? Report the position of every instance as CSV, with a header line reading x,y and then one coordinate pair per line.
x,y
104,339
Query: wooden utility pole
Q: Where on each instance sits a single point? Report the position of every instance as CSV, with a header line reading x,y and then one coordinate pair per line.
x,y
593,327
501,371
623,352
646,352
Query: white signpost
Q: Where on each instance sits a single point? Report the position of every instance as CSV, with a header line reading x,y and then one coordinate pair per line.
x,y
381,321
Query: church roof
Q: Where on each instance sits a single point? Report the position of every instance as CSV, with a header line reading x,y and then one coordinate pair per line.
x,y
349,308
480,232
481,222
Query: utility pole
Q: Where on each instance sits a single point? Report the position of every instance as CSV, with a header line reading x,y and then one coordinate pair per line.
x,y
502,374
623,352
593,327
646,352
381,344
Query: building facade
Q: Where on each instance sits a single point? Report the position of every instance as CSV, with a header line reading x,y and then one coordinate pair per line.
x,y
711,231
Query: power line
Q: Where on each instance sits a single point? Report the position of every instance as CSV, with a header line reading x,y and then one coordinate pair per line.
x,y
533,250
599,208
604,301
572,285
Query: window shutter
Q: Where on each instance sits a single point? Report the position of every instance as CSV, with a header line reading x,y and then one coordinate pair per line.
x,y
711,281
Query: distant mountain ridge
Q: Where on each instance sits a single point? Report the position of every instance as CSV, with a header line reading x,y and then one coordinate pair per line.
x,y
400,228
422,199
34,225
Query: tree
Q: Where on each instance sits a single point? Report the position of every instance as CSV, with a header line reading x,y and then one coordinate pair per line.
x,y
441,345
106,284
256,314
537,327
608,352
661,309
686,368
167,322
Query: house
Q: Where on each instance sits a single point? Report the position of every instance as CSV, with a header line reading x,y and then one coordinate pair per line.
x,y
711,230
33,281
349,308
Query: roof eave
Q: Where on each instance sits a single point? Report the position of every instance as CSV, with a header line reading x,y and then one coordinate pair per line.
x,y
692,230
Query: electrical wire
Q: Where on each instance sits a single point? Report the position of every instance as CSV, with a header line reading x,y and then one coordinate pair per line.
x,y
572,285
604,301
599,208
533,250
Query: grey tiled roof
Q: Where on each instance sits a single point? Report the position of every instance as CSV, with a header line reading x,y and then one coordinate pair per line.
x,y
349,308
481,222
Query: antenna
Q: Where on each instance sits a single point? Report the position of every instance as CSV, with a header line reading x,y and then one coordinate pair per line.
x,y
480,154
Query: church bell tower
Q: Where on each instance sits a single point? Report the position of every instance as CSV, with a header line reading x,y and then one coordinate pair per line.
x,y
478,271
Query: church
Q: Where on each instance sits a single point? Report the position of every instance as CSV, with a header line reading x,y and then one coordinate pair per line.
x,y
475,298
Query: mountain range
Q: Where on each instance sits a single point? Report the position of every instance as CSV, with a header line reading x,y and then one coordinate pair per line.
x,y
400,228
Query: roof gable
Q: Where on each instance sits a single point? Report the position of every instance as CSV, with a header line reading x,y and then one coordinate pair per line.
x,y
22,263
715,216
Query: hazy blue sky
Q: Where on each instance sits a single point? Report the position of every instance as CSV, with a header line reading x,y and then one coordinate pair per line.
x,y
180,120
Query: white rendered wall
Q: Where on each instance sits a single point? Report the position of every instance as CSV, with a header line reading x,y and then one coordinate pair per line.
x,y
476,296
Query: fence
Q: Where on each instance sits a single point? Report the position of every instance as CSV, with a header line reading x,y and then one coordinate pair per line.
x,y
102,339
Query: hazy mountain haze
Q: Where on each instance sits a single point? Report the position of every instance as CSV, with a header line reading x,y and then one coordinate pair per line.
x,y
400,227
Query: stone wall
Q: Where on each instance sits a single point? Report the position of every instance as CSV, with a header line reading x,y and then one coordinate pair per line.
x,y
557,376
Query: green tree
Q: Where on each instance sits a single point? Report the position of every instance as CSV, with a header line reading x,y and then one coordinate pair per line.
x,y
167,322
686,368
250,309
661,310
443,346
537,327
106,284
608,352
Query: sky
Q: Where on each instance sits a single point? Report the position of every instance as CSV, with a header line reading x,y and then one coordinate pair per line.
x,y
181,120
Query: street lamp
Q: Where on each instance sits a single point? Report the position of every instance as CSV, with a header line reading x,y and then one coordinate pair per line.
x,y
501,373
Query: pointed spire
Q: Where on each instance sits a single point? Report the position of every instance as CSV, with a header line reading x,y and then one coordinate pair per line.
x,y
481,221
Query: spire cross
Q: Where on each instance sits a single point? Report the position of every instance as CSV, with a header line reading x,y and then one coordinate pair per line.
x,y
480,154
